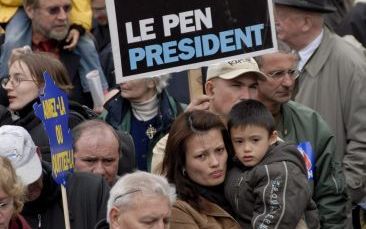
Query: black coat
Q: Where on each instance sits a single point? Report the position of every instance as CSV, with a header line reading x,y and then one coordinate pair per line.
x,y
87,200
5,117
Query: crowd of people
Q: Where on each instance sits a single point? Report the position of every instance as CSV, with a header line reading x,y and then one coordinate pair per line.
x,y
276,141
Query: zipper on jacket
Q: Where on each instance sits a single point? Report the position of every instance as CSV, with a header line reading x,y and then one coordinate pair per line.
x,y
39,221
335,183
237,194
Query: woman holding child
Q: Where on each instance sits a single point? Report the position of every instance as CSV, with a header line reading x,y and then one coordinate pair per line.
x,y
196,162
267,187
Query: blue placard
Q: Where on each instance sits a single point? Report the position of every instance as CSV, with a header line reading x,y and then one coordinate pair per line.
x,y
53,111
307,153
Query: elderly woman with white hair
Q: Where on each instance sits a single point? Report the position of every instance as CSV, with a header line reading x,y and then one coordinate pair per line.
x,y
140,200
144,109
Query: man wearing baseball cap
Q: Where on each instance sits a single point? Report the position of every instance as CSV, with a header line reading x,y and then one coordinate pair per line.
x,y
227,83
332,81
43,208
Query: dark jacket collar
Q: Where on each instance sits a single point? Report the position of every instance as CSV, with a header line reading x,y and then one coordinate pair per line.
x,y
118,107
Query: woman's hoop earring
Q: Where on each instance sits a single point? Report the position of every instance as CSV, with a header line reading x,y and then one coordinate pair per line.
x,y
184,172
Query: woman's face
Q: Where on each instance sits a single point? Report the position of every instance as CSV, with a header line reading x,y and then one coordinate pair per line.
x,y
6,209
139,90
206,158
23,93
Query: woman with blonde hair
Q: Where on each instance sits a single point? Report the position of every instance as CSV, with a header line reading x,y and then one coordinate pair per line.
x,y
11,198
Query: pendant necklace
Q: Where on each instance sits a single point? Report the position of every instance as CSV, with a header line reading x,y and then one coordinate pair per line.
x,y
150,131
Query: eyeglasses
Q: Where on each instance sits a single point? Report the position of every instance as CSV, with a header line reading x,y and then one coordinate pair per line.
x,y
125,194
99,9
15,81
55,10
276,75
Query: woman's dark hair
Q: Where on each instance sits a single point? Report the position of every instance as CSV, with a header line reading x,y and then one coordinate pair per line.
x,y
184,127
251,113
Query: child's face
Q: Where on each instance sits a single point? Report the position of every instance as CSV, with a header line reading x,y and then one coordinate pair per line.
x,y
251,143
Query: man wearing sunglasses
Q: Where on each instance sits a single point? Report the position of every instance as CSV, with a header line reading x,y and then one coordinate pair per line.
x,y
305,127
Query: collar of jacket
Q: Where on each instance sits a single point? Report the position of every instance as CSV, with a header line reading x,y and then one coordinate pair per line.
x,y
211,209
320,55
27,118
119,112
285,117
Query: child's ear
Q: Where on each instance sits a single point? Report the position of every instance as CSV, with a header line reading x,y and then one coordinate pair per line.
x,y
273,138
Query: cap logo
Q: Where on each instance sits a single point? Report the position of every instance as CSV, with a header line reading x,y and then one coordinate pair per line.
x,y
239,61
14,155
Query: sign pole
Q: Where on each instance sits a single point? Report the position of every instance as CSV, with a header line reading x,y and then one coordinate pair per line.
x,y
65,207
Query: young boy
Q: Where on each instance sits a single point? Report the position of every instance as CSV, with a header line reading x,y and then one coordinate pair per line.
x,y
267,187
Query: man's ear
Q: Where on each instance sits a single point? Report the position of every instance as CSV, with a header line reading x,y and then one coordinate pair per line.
x,y
273,138
29,10
38,150
308,23
209,87
113,218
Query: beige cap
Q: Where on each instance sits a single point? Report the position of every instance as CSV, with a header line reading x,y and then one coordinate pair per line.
x,y
231,69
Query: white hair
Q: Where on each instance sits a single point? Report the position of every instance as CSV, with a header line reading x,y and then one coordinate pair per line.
x,y
127,187
161,82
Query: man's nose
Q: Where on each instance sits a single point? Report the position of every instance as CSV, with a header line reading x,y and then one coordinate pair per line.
x,y
99,169
244,93
288,80
63,15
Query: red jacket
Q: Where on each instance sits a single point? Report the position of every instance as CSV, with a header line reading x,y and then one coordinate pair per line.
x,y
19,222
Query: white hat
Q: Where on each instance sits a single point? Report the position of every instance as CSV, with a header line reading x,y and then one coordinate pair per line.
x,y
17,145
234,68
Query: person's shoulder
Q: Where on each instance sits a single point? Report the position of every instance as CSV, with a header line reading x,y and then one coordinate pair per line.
x,y
343,50
180,209
87,181
181,204
305,115
300,110
183,215
298,107
284,153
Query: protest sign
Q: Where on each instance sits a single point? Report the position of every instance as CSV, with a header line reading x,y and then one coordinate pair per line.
x,y
164,36
53,111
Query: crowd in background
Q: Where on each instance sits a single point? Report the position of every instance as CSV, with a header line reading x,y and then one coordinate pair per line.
x,y
276,141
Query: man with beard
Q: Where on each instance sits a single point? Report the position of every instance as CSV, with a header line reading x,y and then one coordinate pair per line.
x,y
49,27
